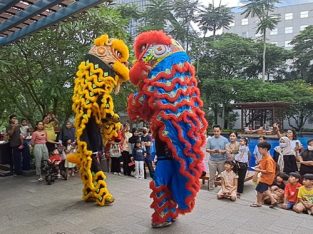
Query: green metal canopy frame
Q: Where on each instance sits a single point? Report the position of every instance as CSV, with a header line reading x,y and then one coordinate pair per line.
x,y
20,18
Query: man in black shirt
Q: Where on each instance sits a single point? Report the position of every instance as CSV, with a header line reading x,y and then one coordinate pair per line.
x,y
147,140
16,144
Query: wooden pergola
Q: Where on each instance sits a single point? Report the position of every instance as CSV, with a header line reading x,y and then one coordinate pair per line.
x,y
20,18
262,114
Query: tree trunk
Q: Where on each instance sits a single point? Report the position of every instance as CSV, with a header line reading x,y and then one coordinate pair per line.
x,y
264,54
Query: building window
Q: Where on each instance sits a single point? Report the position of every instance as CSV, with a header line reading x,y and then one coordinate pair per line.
x,y
244,22
287,44
288,16
288,30
302,27
274,31
304,14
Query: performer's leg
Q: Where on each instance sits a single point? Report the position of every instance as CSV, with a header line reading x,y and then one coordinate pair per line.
x,y
163,204
178,186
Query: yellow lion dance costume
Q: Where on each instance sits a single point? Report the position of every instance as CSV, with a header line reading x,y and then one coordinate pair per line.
x,y
102,72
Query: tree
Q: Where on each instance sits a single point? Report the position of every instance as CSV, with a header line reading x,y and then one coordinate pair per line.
x,y
303,52
230,56
156,15
212,18
183,14
39,71
262,10
301,109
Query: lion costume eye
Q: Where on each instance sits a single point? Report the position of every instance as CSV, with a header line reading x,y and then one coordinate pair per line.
x,y
143,47
118,54
160,50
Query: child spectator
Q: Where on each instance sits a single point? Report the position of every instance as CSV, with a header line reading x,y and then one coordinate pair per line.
x,y
305,196
278,188
115,153
229,182
267,168
242,160
291,191
69,149
138,155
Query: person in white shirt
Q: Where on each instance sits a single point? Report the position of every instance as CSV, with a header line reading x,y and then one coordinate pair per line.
x,y
256,153
242,161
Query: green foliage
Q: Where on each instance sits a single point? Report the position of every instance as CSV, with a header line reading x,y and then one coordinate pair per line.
x,y
38,71
231,56
213,18
303,52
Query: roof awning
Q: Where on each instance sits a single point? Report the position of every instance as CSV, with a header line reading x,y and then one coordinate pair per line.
x,y
20,18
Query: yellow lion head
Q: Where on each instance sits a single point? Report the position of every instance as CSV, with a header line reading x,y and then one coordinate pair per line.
x,y
114,53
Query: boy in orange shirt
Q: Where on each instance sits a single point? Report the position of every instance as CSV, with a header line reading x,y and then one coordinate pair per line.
x,y
267,168
291,191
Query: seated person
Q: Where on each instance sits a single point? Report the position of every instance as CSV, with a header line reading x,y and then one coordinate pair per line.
x,y
305,196
306,159
277,189
229,182
291,191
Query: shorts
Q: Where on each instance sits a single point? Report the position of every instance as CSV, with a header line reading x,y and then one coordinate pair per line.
x,y
290,205
262,187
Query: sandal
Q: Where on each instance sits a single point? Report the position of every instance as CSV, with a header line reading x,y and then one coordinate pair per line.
x,y
255,205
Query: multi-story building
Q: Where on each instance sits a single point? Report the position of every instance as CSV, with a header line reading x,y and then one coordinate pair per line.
x,y
140,4
293,19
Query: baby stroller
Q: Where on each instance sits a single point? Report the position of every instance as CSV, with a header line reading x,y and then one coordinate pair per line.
x,y
55,166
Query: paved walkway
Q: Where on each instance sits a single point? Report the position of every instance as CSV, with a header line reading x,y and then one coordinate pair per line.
x,y
27,206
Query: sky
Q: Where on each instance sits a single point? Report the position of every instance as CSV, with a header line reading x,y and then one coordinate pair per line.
x,y
236,3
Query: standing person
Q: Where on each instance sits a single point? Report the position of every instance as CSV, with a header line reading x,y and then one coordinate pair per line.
x,y
292,136
285,156
126,149
25,132
39,140
147,140
16,144
67,133
49,128
69,149
306,159
229,182
216,148
256,153
115,153
242,161
138,155
232,148
305,196
267,168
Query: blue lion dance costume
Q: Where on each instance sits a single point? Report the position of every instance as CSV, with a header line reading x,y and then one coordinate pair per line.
x,y
168,97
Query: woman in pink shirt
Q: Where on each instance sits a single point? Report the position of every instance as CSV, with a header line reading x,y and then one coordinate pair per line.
x,y
39,140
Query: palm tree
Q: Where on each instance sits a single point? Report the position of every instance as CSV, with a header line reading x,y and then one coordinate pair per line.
x,y
267,21
156,15
213,18
184,12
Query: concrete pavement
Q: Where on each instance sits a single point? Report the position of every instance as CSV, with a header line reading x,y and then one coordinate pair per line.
x,y
27,206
